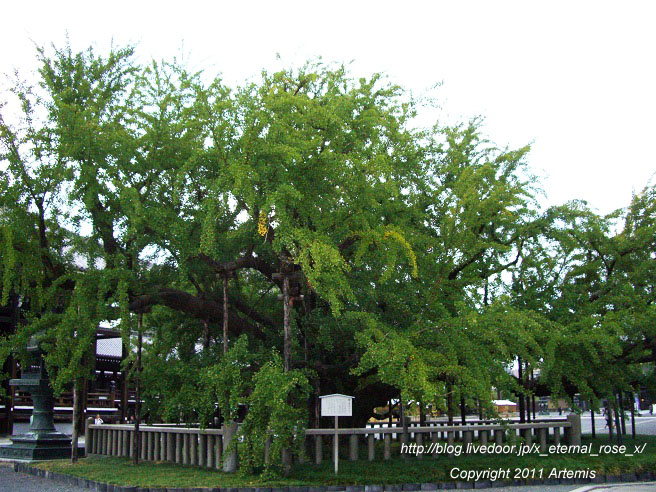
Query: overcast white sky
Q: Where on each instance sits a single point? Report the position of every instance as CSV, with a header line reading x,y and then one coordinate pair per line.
x,y
578,79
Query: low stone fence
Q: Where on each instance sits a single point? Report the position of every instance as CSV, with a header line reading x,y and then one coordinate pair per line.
x,y
487,433
204,447
443,423
185,446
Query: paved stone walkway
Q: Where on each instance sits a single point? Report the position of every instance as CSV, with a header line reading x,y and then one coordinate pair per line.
x,y
10,481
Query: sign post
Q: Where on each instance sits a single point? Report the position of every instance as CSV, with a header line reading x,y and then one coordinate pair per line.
x,y
336,406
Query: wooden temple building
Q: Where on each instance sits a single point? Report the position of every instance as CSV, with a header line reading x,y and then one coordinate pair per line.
x,y
107,394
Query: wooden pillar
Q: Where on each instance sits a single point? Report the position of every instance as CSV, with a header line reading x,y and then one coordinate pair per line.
x,y
556,433
484,435
419,439
435,437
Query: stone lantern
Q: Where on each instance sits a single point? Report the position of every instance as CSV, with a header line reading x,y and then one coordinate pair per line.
x,y
41,441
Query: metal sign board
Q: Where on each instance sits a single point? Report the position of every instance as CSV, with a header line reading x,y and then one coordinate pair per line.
x,y
336,405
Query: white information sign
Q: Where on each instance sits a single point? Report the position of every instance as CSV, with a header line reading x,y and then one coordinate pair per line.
x,y
336,405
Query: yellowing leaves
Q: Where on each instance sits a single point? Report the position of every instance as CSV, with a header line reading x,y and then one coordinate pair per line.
x,y
412,258
262,224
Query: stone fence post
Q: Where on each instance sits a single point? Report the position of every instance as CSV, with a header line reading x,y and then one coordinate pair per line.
x,y
230,457
575,430
88,439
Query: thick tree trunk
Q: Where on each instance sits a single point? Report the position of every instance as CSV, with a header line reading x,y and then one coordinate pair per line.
x,y
620,395
404,423
225,314
522,417
618,426
609,421
287,347
463,413
77,414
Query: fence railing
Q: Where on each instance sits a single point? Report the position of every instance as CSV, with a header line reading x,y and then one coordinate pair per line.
x,y
197,447
204,447
440,424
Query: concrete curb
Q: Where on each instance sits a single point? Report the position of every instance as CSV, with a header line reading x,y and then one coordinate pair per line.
x,y
600,482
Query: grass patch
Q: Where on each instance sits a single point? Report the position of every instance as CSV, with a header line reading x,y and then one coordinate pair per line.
x,y
121,471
